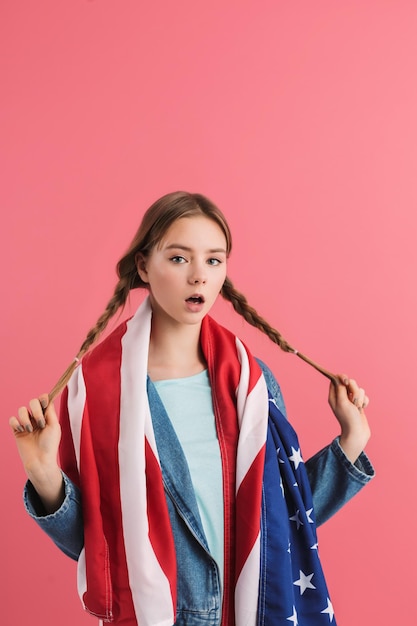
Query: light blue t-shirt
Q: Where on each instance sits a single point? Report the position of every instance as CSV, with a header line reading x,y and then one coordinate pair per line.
x,y
189,405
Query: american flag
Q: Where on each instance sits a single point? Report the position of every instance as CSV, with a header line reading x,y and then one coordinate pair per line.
x,y
293,588
127,570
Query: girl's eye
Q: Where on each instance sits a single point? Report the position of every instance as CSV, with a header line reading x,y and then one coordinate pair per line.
x,y
177,259
214,261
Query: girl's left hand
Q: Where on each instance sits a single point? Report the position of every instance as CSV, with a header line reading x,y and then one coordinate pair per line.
x,y
348,402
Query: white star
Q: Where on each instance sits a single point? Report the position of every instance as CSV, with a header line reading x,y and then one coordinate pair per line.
x,y
280,460
296,518
296,457
281,484
315,546
293,617
304,582
295,484
289,547
308,513
329,610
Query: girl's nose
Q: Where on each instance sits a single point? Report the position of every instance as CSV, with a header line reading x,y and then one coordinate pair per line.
x,y
197,281
197,277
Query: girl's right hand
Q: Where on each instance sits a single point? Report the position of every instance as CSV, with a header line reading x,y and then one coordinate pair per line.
x,y
37,434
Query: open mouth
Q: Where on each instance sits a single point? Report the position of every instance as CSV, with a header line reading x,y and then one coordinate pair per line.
x,y
195,299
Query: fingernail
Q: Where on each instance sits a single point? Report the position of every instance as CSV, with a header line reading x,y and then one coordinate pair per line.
x,y
29,428
345,381
20,429
41,423
355,401
44,403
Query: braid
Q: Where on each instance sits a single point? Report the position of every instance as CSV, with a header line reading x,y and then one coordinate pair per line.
x,y
241,306
118,300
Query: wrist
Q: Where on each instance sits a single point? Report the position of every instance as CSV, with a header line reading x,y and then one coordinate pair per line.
x,y
42,471
49,485
353,444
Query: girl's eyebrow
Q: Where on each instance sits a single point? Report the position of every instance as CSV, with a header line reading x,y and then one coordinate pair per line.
x,y
179,246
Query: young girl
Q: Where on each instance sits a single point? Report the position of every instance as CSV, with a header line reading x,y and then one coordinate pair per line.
x,y
197,507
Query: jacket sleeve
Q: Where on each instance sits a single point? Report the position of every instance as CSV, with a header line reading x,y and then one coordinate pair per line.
x,y
64,526
334,480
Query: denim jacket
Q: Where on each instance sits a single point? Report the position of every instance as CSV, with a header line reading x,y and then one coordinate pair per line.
x,y
333,478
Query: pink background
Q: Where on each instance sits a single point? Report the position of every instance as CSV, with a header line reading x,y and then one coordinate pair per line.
x,y
300,120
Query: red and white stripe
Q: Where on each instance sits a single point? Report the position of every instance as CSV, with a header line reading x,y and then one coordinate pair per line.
x,y
252,410
146,576
148,566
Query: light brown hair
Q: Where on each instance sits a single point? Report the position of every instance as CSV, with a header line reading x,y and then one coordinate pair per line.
x,y
155,223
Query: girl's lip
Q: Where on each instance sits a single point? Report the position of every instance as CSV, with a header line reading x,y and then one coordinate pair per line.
x,y
195,303
196,296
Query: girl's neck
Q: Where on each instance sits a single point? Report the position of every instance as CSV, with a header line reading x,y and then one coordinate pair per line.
x,y
175,352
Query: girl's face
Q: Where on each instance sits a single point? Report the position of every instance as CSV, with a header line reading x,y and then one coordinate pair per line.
x,y
186,270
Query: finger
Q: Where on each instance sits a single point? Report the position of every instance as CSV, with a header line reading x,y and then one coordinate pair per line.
x,y
343,381
342,388
37,412
50,413
15,425
337,390
355,393
358,397
24,419
352,385
44,401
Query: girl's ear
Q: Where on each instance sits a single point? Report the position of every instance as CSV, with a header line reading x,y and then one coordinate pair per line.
x,y
140,261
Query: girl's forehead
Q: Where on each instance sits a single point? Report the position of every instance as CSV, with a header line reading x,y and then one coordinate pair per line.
x,y
197,229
